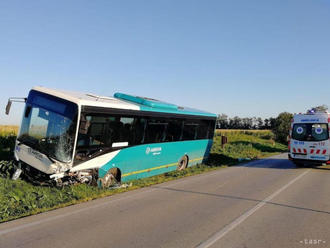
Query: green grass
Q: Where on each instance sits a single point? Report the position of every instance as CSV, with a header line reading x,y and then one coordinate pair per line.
x,y
245,145
20,198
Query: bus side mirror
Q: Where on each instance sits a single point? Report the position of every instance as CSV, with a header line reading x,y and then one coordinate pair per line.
x,y
14,99
8,107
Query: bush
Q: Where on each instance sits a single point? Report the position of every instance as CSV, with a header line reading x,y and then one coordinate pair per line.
x,y
7,145
282,127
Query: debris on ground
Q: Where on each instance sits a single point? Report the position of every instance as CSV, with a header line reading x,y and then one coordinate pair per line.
x,y
120,186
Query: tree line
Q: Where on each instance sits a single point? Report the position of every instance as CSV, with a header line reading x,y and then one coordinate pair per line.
x,y
279,125
224,122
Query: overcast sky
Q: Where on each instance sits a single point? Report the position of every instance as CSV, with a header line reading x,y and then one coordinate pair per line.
x,y
245,58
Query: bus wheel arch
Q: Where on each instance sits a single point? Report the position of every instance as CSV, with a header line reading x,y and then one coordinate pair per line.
x,y
183,162
112,176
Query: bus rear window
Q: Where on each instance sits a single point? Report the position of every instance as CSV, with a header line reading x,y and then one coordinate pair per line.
x,y
310,131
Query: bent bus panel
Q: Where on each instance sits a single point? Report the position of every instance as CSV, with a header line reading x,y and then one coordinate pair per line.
x,y
309,138
70,136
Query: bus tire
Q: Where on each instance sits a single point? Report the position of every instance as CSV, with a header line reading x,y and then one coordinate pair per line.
x,y
113,176
183,163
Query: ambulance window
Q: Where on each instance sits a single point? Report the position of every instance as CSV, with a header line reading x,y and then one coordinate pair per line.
x,y
299,131
320,131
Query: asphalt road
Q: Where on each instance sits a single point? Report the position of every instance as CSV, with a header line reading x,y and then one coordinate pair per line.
x,y
267,203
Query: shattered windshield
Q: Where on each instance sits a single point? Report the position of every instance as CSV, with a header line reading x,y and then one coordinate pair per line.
x,y
49,125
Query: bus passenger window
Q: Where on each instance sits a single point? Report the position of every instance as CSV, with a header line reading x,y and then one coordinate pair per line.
x,y
174,130
114,131
202,131
211,125
155,131
189,130
127,129
137,132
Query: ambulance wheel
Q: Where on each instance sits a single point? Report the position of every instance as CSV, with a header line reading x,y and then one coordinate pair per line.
x,y
298,164
183,163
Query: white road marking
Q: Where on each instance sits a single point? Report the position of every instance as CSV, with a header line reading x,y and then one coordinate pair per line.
x,y
221,233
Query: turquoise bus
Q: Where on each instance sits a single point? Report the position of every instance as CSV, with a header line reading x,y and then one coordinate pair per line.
x,y
69,137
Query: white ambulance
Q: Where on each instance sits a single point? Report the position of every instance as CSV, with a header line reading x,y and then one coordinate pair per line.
x,y
309,138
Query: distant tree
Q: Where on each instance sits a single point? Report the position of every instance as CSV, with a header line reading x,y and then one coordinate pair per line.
x,y
260,123
246,123
266,124
282,127
222,121
272,123
235,123
254,123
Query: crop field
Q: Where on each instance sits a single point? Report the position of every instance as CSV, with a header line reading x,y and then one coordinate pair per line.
x,y
7,129
20,198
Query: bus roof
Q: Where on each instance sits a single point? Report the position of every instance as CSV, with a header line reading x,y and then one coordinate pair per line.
x,y
123,101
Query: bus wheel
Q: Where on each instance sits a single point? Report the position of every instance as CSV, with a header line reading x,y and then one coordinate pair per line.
x,y
183,163
112,177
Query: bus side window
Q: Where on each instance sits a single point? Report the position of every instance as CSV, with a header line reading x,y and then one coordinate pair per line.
x,y
190,130
155,131
115,129
174,130
211,125
137,131
127,130
96,130
203,129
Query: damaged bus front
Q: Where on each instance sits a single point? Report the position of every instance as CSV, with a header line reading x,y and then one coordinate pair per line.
x,y
45,143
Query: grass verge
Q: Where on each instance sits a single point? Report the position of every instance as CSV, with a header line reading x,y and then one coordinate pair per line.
x,y
20,198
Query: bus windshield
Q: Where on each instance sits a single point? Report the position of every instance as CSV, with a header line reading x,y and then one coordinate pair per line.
x,y
49,125
310,131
